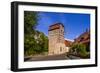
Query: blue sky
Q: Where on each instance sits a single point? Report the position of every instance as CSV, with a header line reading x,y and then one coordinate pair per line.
x,y
74,23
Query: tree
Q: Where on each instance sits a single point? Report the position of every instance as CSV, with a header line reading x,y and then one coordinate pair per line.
x,y
30,21
35,42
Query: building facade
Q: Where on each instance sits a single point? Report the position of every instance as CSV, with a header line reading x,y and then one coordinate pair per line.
x,y
56,39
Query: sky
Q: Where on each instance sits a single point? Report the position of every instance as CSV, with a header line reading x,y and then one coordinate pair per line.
x,y
74,23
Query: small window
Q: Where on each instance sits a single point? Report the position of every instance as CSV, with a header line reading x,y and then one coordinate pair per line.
x,y
81,39
60,48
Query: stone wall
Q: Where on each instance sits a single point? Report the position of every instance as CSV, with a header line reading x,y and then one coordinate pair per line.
x,y
56,40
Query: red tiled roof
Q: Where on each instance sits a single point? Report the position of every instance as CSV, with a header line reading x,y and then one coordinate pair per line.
x,y
83,38
55,26
86,41
68,43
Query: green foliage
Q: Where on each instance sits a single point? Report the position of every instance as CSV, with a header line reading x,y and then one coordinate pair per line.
x,y
30,21
79,49
35,42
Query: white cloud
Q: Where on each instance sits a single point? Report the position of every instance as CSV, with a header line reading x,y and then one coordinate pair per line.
x,y
69,40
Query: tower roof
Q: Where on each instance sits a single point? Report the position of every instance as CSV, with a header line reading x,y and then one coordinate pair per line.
x,y
55,26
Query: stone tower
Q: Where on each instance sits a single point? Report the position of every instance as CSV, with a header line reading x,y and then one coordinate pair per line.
x,y
56,39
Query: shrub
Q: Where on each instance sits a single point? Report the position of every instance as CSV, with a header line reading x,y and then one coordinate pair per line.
x,y
79,50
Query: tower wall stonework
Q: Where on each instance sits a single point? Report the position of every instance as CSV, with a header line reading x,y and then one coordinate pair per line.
x,y
56,39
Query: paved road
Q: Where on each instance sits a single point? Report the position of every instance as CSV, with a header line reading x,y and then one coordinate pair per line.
x,y
50,57
73,57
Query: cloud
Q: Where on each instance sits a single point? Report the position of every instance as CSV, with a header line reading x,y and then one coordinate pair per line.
x,y
69,40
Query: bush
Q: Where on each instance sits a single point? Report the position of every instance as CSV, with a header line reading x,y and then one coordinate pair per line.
x,y
79,50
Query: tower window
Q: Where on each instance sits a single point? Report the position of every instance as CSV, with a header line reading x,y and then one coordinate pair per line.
x,y
60,48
